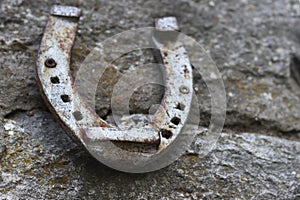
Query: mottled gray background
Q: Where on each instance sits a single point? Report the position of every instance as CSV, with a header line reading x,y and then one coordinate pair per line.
x,y
256,45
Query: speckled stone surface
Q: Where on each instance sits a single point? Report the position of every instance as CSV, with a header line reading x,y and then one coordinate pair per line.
x,y
256,46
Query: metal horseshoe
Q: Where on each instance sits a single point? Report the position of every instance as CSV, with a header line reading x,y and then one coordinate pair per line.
x,y
105,141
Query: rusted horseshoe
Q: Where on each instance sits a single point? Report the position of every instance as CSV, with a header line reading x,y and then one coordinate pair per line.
x,y
85,126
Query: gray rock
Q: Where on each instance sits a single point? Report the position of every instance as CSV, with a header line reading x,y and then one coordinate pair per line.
x,y
256,46
252,43
41,162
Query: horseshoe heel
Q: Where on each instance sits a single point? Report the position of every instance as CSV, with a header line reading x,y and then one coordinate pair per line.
x,y
83,124
53,73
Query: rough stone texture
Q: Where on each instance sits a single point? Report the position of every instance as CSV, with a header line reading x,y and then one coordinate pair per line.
x,y
254,44
40,161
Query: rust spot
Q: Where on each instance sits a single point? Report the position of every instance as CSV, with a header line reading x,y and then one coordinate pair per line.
x,y
185,71
65,37
119,98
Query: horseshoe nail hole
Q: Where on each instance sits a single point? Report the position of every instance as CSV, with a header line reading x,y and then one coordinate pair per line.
x,y
175,120
184,90
77,115
166,133
65,98
50,62
180,106
54,80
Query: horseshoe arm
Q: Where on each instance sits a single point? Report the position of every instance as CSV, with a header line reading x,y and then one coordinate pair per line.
x,y
54,77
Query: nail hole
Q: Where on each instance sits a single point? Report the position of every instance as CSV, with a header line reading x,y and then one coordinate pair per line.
x,y
166,133
77,115
50,62
175,120
184,89
180,106
54,80
65,98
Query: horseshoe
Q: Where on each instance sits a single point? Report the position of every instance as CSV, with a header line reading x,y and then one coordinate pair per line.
x,y
82,123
